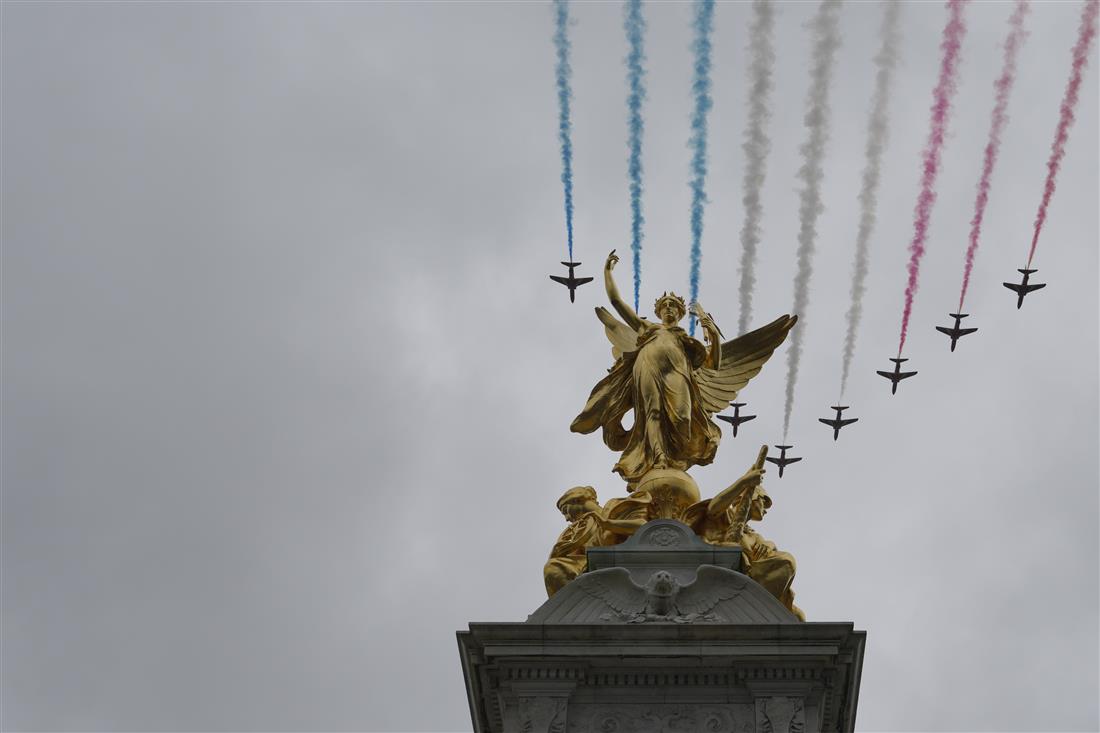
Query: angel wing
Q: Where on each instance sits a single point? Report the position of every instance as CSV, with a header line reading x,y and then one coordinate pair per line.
x,y
712,586
742,359
623,338
616,588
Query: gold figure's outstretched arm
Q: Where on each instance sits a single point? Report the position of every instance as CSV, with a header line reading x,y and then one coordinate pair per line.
x,y
712,335
740,490
620,305
625,527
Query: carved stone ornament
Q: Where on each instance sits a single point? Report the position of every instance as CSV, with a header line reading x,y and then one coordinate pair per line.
x,y
542,714
662,598
780,715
628,718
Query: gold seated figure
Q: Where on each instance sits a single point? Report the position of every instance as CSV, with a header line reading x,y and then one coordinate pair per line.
x,y
672,494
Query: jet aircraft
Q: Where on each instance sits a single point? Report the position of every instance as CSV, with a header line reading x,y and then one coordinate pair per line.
x,y
897,375
1023,288
783,461
570,281
736,418
837,423
955,332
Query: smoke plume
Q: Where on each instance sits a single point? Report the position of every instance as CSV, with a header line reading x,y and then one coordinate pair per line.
x,y
756,147
951,45
826,41
634,25
1003,87
1069,105
565,128
703,24
877,135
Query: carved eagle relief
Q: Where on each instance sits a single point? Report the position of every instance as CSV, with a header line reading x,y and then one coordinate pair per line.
x,y
662,598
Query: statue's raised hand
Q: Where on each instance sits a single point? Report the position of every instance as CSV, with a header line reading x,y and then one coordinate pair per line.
x,y
752,478
704,318
611,260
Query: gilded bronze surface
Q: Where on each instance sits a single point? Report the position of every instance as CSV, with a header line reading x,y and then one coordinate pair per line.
x,y
673,384
761,561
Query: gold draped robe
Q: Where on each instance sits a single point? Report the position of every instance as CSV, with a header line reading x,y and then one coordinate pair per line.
x,y
671,427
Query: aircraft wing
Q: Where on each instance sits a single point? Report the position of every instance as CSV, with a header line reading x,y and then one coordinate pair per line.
x,y
1014,286
964,331
905,375
941,329
888,375
582,280
563,280
849,421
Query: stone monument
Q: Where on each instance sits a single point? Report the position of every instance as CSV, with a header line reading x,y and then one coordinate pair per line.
x,y
666,611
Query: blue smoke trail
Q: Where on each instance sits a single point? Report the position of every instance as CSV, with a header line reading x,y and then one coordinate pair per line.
x,y
704,17
634,25
565,128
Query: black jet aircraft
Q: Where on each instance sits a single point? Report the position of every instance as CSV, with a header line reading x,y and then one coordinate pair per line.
x,y
1023,288
955,332
783,461
736,418
571,282
897,375
837,423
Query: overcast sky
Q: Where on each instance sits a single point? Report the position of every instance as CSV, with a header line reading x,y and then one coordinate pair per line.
x,y
286,389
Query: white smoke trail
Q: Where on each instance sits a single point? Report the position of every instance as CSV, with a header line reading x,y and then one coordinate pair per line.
x,y
826,41
878,128
756,147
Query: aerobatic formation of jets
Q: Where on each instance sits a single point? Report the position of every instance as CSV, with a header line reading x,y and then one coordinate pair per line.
x,y
955,332
570,281
825,35
1023,287
836,423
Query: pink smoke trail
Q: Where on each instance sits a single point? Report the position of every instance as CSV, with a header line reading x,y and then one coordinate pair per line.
x,y
1003,87
1069,104
951,44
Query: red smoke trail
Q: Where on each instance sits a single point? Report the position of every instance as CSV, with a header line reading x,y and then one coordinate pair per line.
x,y
953,34
1003,85
1069,103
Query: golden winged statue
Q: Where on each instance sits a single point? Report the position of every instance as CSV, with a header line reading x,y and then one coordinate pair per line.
x,y
673,383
